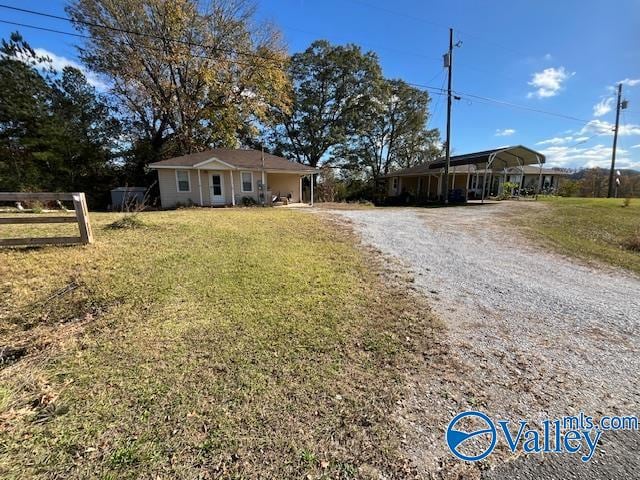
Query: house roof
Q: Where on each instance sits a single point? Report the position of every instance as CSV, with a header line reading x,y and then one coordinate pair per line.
x,y
504,157
235,158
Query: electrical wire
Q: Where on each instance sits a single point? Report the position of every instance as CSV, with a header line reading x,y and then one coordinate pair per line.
x,y
436,108
113,42
436,24
142,34
435,90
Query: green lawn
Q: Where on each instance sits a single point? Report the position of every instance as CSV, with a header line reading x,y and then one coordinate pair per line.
x,y
232,343
589,228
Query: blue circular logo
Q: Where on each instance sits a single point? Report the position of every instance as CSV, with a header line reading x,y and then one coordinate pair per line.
x,y
486,436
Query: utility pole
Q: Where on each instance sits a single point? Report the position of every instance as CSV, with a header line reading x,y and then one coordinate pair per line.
x,y
615,141
449,64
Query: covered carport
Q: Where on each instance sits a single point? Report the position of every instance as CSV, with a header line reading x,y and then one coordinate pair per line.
x,y
491,164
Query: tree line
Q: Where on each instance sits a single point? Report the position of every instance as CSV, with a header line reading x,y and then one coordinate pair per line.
x,y
594,182
184,76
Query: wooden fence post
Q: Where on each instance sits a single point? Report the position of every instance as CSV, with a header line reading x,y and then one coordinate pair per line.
x,y
82,214
81,218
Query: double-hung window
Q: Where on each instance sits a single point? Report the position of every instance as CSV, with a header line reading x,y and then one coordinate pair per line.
x,y
246,178
182,181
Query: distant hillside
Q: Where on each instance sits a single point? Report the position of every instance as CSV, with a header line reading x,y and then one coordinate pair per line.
x,y
594,182
584,172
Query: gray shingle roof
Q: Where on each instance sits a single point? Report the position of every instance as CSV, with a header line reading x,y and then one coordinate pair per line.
x,y
239,158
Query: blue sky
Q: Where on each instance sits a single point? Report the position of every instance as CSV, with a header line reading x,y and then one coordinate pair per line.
x,y
558,56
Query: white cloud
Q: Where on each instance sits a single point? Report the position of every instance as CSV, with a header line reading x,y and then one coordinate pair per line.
x,y
505,132
600,127
596,156
635,146
548,56
555,141
602,107
630,82
59,62
548,82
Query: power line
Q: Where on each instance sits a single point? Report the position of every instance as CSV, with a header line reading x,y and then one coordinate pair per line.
x,y
368,45
133,32
436,24
44,29
523,107
462,95
435,90
142,34
504,103
436,108
113,42
440,72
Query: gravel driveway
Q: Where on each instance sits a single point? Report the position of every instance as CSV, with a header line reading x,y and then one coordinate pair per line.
x,y
532,334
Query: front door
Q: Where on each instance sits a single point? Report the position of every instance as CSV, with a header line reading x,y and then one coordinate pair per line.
x,y
217,188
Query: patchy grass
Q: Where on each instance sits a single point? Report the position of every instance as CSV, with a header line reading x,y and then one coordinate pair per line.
x,y
600,229
127,221
363,205
632,243
216,344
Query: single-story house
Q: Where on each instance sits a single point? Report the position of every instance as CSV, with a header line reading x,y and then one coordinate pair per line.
x,y
472,174
225,176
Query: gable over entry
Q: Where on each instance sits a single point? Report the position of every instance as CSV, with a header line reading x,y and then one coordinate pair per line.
x,y
226,176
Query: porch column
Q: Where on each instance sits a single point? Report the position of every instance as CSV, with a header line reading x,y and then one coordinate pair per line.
x,y
300,200
264,188
539,177
429,187
453,179
440,184
504,177
311,176
199,185
484,181
233,190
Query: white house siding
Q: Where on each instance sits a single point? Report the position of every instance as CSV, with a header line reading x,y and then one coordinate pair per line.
x,y
169,195
283,183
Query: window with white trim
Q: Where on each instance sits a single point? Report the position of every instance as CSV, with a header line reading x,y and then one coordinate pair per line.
x,y
182,181
246,179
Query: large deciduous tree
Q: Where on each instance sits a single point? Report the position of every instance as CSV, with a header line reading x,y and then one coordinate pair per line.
x,y
190,74
332,87
391,134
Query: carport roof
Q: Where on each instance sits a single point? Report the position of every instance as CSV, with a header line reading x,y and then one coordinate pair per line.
x,y
504,157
